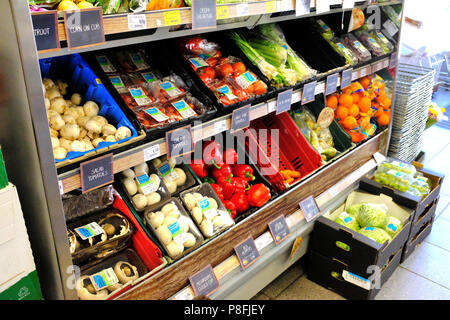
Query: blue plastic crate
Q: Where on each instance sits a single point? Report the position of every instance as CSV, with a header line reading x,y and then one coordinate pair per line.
x,y
81,79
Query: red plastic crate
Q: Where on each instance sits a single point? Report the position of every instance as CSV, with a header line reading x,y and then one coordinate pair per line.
x,y
294,151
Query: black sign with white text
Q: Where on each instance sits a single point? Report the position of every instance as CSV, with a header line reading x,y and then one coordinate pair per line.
x,y
97,173
45,27
84,28
247,252
204,282
279,229
179,142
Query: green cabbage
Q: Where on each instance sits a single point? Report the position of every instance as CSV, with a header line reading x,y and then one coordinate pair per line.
x,y
377,234
393,226
348,221
372,215
354,209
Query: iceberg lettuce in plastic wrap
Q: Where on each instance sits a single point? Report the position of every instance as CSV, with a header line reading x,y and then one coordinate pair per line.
x,y
377,234
348,221
354,209
393,226
372,215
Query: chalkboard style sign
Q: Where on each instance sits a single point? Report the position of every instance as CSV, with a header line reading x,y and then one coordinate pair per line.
x,y
204,282
204,14
84,28
45,28
97,173
247,252
284,101
179,142
346,78
279,229
240,118
309,208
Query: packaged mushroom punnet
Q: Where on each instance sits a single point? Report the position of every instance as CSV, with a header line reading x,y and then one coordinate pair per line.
x,y
177,178
174,228
99,236
206,209
144,186
110,276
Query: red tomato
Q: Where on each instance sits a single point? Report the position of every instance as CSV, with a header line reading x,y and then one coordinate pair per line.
x,y
217,54
240,94
223,61
209,71
205,78
226,70
239,68
211,62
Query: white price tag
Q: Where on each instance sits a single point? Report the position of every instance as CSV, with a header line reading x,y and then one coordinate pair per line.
x,y
285,5
356,280
89,231
151,152
333,192
322,6
296,97
348,4
242,9
302,7
390,27
271,106
137,22
61,187
104,278
220,126
263,241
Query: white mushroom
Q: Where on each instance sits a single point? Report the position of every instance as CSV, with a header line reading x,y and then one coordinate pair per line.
x,y
197,214
130,186
184,223
76,99
156,219
52,93
59,153
163,235
170,184
189,240
57,122
174,249
69,103
58,104
70,131
101,120
47,103
55,142
81,121
65,143
72,112
80,111
189,201
93,126
83,134
96,141
181,180
207,228
141,169
140,201
169,220
62,86
51,113
68,119
48,83
108,130
110,139
122,133
128,173
153,198
78,146
93,135
54,133
168,208
91,108
88,145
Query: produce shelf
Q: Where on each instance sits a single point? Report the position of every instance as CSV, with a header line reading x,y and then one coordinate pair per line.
x,y
71,180
324,184
118,32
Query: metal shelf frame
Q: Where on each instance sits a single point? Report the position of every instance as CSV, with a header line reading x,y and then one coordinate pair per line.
x,y
25,135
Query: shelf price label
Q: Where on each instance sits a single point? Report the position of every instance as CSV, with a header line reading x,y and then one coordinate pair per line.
x,y
271,6
348,4
137,22
179,142
204,14
284,101
84,28
322,6
279,229
309,92
222,12
331,84
346,78
97,173
242,10
309,208
302,7
46,33
393,60
247,252
151,152
240,118
172,18
204,282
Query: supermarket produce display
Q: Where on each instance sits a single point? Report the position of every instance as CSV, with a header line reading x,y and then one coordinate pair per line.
x,y
162,218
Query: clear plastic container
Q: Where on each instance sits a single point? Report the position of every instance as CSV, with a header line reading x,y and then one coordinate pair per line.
x,y
132,60
382,41
144,186
370,43
421,185
174,229
206,209
176,177
395,179
339,47
356,47
397,165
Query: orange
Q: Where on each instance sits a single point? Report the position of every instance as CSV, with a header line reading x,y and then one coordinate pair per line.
x,y
365,82
364,105
349,123
355,97
386,102
383,119
341,112
332,101
353,111
345,100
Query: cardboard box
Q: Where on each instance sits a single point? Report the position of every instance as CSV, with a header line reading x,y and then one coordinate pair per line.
x,y
335,275
428,213
403,198
18,277
363,252
416,239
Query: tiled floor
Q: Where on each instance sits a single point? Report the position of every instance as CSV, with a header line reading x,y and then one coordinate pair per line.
x,y
423,276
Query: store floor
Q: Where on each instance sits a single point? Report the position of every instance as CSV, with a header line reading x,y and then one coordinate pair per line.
x,y
423,276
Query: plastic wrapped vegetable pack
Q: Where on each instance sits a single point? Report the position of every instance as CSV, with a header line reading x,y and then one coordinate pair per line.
x,y
343,50
385,44
227,76
267,48
372,215
370,43
319,138
377,234
397,165
348,221
322,28
356,47
393,226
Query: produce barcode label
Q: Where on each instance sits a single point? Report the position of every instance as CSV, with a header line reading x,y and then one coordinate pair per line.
x,y
90,230
197,63
138,61
117,82
356,280
139,96
184,109
137,22
170,89
106,65
104,279
382,37
207,209
177,232
227,92
167,172
149,77
245,80
156,114
146,184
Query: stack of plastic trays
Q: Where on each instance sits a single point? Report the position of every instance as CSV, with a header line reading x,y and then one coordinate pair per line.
x,y
412,97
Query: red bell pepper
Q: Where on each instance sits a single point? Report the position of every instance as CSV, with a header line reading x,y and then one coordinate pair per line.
x,y
231,207
240,201
212,153
218,189
230,156
199,168
223,170
240,184
243,171
258,195
228,187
